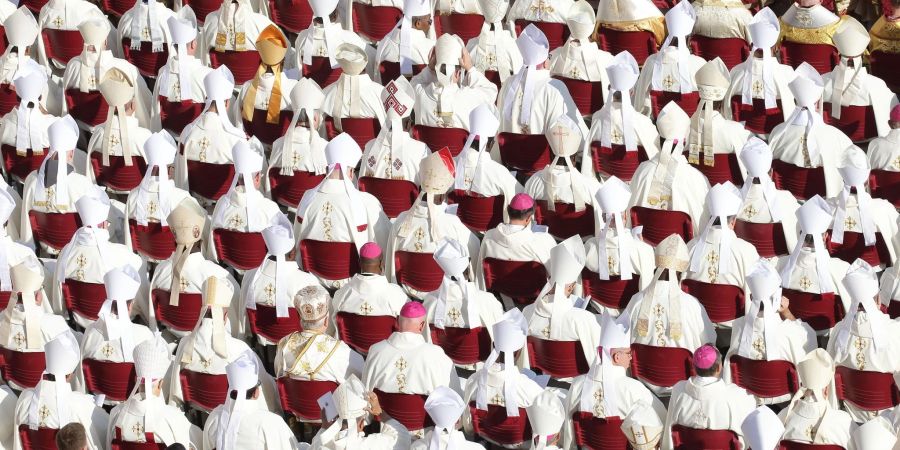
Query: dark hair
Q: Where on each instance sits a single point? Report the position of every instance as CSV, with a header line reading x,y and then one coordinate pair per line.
x,y
711,371
250,393
519,214
176,446
71,437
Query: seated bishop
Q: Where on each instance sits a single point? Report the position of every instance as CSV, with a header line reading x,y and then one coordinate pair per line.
x,y
394,154
24,130
546,417
885,32
580,58
144,23
883,152
722,19
477,174
408,44
445,407
811,417
235,26
632,16
642,427
494,51
64,15
354,95
12,252
555,11
812,23
321,41
21,31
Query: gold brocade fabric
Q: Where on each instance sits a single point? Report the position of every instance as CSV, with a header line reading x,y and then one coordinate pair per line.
x,y
655,25
820,35
885,36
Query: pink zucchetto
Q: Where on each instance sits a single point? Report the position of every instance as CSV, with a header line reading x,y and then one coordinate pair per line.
x,y
412,310
370,250
705,357
895,114
521,202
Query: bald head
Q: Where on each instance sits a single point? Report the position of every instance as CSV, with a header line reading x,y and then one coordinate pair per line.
x,y
411,325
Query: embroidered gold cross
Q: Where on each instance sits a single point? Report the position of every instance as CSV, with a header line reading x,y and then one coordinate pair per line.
x,y
616,136
327,208
860,345
43,413
668,82
205,363
113,140
182,285
295,159
454,315
491,60
896,163
401,381
270,291
81,261
151,207
322,51
20,340
203,144
420,234
138,430
108,350
599,409
236,221
574,73
365,308
757,88
659,310
759,345
92,82
145,34
849,223
541,8
712,270
321,346
805,283
400,364
58,22
810,432
611,263
750,211
546,332
498,399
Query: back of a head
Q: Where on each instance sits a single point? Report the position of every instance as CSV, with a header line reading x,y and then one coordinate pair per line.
x,y
72,437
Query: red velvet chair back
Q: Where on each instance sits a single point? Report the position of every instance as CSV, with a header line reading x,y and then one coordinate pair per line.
x,y
613,293
659,224
8,97
62,45
114,379
437,138
616,161
466,26
733,51
288,190
494,426
22,368
595,433
391,70
182,317
565,222
362,130
803,182
40,439
587,95
756,117
661,366
19,166
117,8
722,302
147,62
203,391
684,438
418,271
54,229
267,132
463,345
117,443
520,280
893,308
820,311
559,359
84,298
408,409
292,15
203,8
153,241
725,168
34,5
792,445
764,379
526,153
768,238
641,44
477,212
243,65
869,391
556,33
854,246
857,122
208,180
884,65
822,57
4,299
494,77
360,332
320,69
375,22
174,116
329,260
243,251
265,322
886,185
118,176
396,196
87,107
300,397
687,102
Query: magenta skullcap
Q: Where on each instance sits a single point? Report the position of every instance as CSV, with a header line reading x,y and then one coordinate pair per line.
x,y
370,250
705,357
895,114
521,202
412,310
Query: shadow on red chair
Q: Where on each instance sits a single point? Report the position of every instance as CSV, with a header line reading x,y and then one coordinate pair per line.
x,y
756,117
820,311
768,238
174,116
764,379
145,59
153,241
84,299
524,153
265,322
113,379
885,184
823,57
267,132
616,161
641,44
8,98
4,299
117,8
418,271
613,293
725,168
208,180
180,318
687,102
868,391
556,33
857,122
243,65
34,5
597,433
292,15
802,182
587,95
465,346
408,409
559,359
300,397
320,69
118,176
362,130
466,26
54,229
659,224
565,222
520,280
854,246
685,438
375,22
437,138
22,368
661,366
390,70
494,426
19,166
884,65
87,107
477,212
360,332
39,439
733,51
329,260
203,391
241,250
288,190
62,45
722,302
395,196
203,8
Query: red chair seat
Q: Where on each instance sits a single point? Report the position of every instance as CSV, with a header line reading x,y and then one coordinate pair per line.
x,y
113,379
87,107
885,184
118,8
396,196
659,224
854,246
793,445
265,322
145,59
203,8
616,161
768,238
596,433
117,175
362,130
869,391
494,425
329,260
40,439
884,65
203,391
149,443
684,438
390,70
54,229
556,33
20,166
466,26
177,115
8,98
756,117
437,138
300,397
722,302
287,190
208,180
243,251
765,379
725,168
526,153
857,122
733,51
587,95
375,22
520,280
613,293
243,65
820,311
62,45
559,359
82,298
182,317
34,5
408,409
153,240
661,366
802,182
463,345
292,15
320,69
22,368
565,222
687,102
641,44
823,57
360,332
267,132
477,212
418,271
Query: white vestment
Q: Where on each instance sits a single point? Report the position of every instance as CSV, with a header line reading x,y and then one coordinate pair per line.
x,y
645,133
9,129
307,154
80,408
207,140
369,295
862,89
263,291
265,86
728,137
495,50
136,135
527,390
312,41
816,422
707,403
582,61
8,401
76,185
253,24
880,211
472,90
577,325
64,15
393,436
687,193
884,152
168,85
404,363
513,243
148,198
105,61
482,175
722,19
782,74
550,99
368,97
147,29
309,355
787,143
669,65
257,428
169,424
388,49
458,309
565,183
380,160
97,344
554,11
241,211
805,278
643,262
755,209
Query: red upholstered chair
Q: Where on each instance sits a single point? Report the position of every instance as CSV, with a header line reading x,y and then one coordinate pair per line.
x,y
209,180
62,45
145,59
329,260
54,229
520,280
87,107
613,293
466,26
565,222
320,69
684,438
153,241
375,22
203,8
203,391
884,65
857,122
265,322
396,196
4,299
661,366
820,311
477,212
22,368
495,427
19,166
182,317
391,70
292,15
34,5
559,359
725,168
39,439
687,102
118,176
793,445
869,391
418,271
84,299
595,433
893,308
437,138
362,130
243,65
287,190
854,246
641,44
556,33
822,57
267,132
117,8
587,95
300,397
494,77
463,345
113,379
360,332
243,251
768,238
117,443
525,153
8,98
174,116
722,302
733,51
803,182
616,161
756,117
408,409
885,184
764,379
659,224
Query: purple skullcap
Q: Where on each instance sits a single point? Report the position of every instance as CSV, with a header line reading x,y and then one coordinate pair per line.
x,y
705,357
412,310
370,250
895,114
521,202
